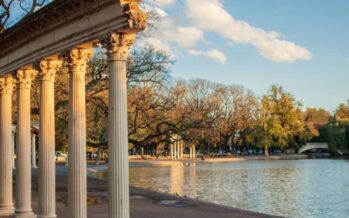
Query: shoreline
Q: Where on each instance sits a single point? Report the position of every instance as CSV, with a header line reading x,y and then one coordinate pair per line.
x,y
165,162
137,162
143,203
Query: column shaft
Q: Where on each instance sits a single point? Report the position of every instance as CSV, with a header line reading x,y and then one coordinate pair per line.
x,y
77,180
118,141
118,45
23,153
182,149
34,151
171,150
175,150
13,149
6,155
47,162
190,152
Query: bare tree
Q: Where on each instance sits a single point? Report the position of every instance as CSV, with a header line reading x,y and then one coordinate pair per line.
x,y
5,13
27,6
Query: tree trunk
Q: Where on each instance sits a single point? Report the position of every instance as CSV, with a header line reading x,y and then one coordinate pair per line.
x,y
142,152
266,151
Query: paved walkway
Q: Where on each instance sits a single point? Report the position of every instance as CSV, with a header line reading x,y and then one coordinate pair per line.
x,y
144,204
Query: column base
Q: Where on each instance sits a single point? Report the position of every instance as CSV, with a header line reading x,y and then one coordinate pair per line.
x,y
24,215
7,211
46,216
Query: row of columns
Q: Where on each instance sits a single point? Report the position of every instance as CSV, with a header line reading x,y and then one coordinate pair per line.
x,y
192,152
177,150
117,46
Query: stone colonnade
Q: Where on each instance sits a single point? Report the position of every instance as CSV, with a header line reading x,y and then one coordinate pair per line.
x,y
192,152
117,45
177,150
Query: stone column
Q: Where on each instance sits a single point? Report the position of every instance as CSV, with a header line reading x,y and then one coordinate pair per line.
x,y
182,149
23,160
6,155
77,180
118,46
179,150
191,152
34,151
13,149
47,162
194,152
175,150
171,150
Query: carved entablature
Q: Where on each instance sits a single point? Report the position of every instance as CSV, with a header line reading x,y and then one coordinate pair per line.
x,y
118,45
48,18
78,59
137,18
6,85
25,77
48,69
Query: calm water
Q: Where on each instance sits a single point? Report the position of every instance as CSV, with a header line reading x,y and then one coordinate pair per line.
x,y
298,188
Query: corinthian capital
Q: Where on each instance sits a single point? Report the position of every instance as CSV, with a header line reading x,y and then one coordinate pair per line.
x,y
6,85
78,58
48,69
25,77
118,45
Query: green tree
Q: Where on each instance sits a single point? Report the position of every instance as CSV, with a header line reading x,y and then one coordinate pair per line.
x,y
280,122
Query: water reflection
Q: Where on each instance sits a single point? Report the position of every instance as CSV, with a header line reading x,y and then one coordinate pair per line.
x,y
306,188
177,179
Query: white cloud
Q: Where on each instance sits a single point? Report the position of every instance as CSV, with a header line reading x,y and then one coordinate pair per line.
x,y
155,43
162,3
211,16
213,54
185,37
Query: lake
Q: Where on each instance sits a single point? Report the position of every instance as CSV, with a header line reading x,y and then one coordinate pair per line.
x,y
292,188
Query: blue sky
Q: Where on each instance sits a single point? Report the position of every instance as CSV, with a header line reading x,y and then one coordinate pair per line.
x,y
301,45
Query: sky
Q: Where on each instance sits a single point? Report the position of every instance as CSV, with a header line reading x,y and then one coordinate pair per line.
x,y
300,45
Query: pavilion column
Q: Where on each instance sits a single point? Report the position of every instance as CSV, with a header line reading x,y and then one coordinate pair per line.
x,y
13,149
191,152
171,150
118,49
23,153
77,180
6,155
194,152
179,150
47,163
34,151
175,150
182,149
